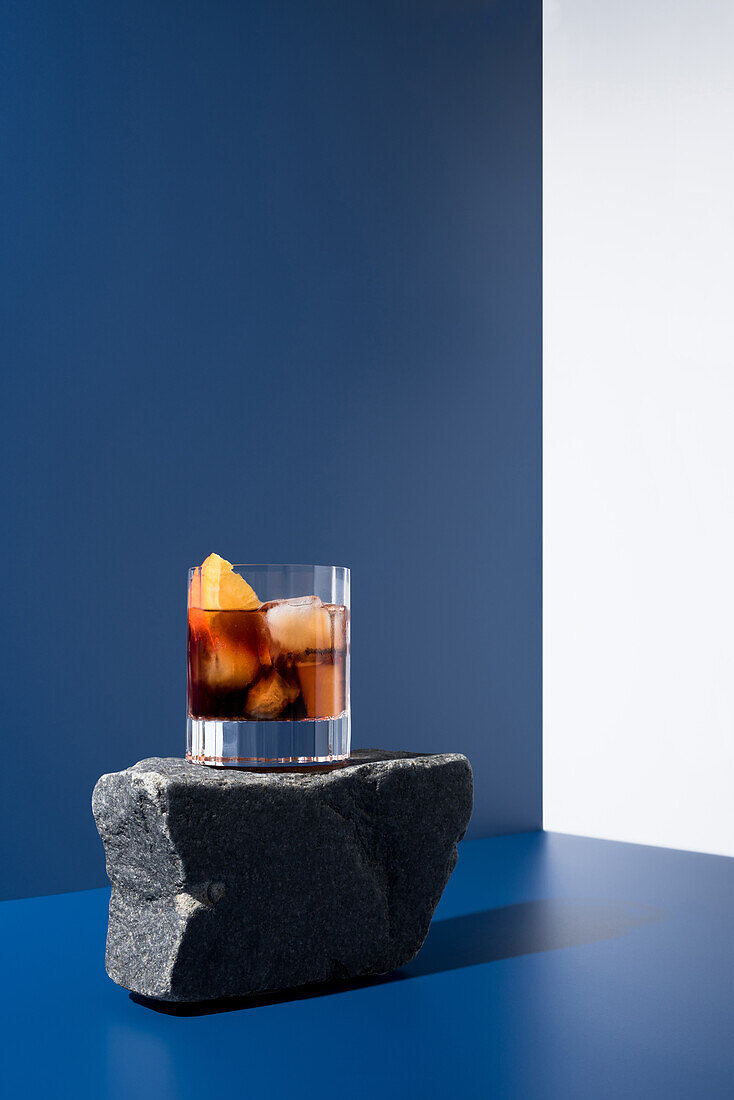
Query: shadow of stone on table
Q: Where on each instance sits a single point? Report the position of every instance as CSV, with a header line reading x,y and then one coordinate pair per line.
x,y
472,940
524,929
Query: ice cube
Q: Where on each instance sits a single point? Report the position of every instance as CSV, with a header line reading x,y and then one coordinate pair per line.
x,y
269,697
322,688
298,627
229,668
226,647
338,616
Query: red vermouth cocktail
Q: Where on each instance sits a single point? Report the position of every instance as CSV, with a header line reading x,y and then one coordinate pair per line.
x,y
268,681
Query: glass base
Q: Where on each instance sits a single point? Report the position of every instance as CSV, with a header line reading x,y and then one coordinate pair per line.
x,y
305,743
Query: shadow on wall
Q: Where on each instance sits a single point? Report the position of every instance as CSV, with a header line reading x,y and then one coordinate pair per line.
x,y
471,940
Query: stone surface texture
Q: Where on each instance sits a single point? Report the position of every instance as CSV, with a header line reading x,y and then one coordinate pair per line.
x,y
227,883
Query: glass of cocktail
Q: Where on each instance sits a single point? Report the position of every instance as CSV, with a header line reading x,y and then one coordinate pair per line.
x,y
268,665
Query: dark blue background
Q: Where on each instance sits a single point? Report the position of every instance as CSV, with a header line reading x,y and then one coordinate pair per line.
x,y
271,287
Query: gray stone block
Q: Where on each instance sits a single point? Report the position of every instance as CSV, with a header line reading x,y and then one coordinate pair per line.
x,y
227,883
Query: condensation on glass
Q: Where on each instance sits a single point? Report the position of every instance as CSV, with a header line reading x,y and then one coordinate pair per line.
x,y
268,687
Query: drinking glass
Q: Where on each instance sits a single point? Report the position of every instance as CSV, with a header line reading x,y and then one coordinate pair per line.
x,y
268,687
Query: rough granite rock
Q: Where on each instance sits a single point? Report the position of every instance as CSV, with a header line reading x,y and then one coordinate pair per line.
x,y
227,883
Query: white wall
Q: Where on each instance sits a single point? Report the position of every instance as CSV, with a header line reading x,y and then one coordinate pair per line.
x,y
639,421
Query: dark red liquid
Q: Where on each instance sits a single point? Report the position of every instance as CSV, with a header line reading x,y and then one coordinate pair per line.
x,y
237,671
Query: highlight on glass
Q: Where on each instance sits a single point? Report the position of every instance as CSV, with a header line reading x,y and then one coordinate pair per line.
x,y
268,665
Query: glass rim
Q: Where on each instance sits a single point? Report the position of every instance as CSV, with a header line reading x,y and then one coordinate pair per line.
x,y
274,565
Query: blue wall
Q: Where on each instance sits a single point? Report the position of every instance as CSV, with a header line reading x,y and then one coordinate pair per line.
x,y
271,287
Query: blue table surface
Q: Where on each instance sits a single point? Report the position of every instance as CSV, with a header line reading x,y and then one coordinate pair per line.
x,y
556,966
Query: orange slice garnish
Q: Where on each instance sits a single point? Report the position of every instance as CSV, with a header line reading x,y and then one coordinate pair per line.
x,y
216,587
